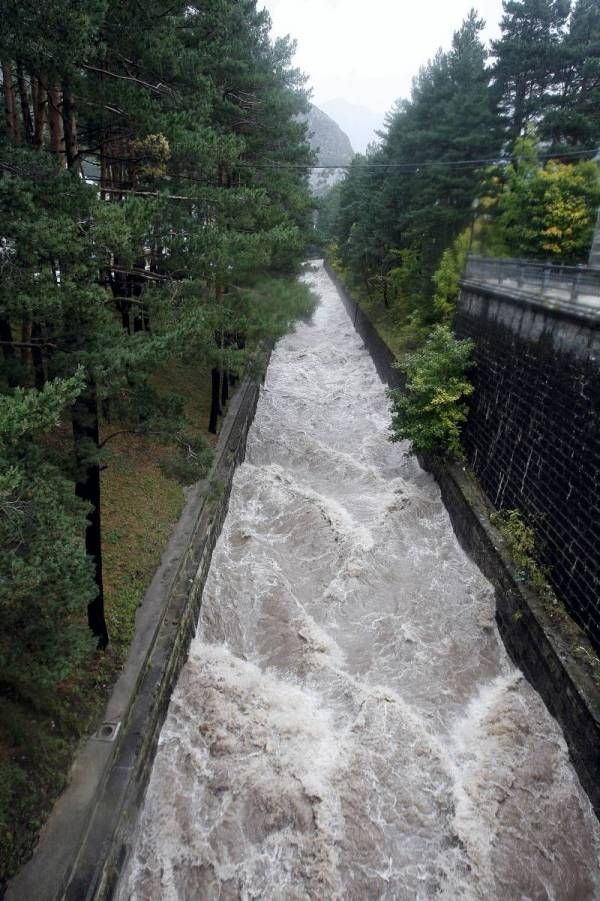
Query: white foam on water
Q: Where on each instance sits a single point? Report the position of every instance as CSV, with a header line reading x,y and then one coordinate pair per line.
x,y
245,762
348,724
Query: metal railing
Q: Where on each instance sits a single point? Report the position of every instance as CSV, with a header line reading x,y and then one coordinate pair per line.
x,y
569,286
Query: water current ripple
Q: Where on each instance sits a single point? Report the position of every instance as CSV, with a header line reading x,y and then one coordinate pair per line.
x,y
348,724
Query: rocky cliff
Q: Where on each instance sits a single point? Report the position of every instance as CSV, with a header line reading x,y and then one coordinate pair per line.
x,y
333,148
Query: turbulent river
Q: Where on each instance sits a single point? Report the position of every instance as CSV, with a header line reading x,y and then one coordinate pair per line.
x,y
348,724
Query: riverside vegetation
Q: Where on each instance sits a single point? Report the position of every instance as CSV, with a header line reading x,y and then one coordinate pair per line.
x,y
150,229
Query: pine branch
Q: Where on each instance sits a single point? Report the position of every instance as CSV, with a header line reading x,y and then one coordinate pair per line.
x,y
139,273
159,89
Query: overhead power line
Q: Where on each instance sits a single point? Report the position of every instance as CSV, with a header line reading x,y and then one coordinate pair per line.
x,y
412,166
283,166
422,164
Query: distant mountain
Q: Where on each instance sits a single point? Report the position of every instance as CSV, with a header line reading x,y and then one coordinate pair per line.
x,y
333,148
359,122
327,139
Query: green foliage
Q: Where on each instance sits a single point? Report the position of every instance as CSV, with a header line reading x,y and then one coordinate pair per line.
x,y
45,577
216,490
27,411
431,411
30,782
572,107
547,62
588,656
447,277
545,212
522,544
272,305
393,219
327,215
543,73
525,58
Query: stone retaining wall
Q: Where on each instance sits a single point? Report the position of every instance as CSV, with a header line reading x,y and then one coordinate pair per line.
x,y
533,433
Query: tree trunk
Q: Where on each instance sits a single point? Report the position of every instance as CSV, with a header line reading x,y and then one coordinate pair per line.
x,y
87,487
125,317
13,125
120,287
136,291
25,107
138,319
25,341
55,122
519,110
10,358
215,406
40,102
37,355
70,130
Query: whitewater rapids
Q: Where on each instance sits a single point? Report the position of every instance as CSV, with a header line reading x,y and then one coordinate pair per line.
x,y
348,724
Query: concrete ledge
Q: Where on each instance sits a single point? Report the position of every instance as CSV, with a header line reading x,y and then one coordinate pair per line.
x,y
581,312
84,842
538,644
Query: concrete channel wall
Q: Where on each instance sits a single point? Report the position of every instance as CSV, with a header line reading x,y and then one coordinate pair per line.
x,y
540,644
533,433
85,842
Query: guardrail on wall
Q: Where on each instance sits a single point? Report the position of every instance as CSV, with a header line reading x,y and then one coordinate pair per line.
x,y
571,286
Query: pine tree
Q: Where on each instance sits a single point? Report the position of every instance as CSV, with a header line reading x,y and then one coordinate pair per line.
x,y
192,124
389,204
572,111
526,59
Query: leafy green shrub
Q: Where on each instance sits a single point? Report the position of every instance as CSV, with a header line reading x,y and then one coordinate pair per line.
x,y
431,411
272,306
522,544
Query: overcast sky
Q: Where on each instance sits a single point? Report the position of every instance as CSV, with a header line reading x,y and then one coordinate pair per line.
x,y
367,51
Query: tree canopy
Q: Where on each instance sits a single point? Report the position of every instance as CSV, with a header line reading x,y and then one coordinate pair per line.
x,y
153,189
494,145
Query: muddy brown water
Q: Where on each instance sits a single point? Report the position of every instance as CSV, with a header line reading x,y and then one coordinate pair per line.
x,y
348,724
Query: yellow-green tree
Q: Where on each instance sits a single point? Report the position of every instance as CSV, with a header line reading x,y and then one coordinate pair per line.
x,y
447,277
570,197
545,212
